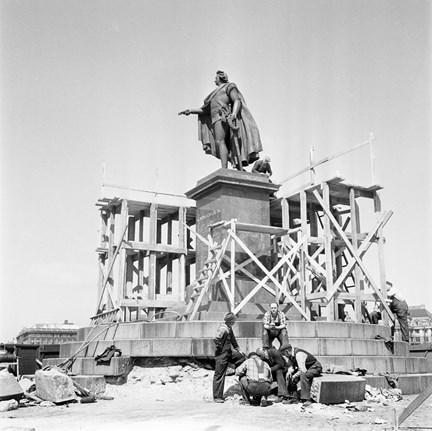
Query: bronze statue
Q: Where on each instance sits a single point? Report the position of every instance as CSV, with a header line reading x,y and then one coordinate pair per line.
x,y
227,129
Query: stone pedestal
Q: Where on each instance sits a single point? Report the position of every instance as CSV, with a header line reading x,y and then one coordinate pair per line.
x,y
230,194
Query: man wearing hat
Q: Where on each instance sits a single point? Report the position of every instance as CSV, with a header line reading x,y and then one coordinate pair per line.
x,y
278,367
227,351
274,326
399,308
304,367
255,379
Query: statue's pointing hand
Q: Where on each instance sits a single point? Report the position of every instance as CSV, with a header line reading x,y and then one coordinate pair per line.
x,y
185,112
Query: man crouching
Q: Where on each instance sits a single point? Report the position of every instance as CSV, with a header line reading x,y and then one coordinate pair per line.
x,y
255,379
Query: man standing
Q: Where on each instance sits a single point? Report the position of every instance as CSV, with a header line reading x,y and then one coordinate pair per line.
x,y
399,308
278,368
227,351
223,107
304,367
274,326
255,379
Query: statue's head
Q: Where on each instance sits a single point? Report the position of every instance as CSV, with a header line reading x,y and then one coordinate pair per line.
x,y
223,77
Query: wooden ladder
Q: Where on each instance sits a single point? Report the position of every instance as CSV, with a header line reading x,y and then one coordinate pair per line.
x,y
207,275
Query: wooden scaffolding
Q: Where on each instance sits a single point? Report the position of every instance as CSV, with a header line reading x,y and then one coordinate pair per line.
x,y
323,257
319,255
144,260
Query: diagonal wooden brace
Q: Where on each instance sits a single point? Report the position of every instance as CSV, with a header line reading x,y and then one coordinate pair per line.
x,y
354,254
268,275
364,247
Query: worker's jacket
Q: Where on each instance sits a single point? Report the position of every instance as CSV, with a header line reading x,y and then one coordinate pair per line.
x,y
225,340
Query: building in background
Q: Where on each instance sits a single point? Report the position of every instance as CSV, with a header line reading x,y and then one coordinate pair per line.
x,y
420,322
48,333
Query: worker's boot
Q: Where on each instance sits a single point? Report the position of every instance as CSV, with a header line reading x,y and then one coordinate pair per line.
x,y
264,401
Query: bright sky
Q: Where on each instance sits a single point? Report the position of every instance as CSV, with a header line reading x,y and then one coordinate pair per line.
x,y
87,82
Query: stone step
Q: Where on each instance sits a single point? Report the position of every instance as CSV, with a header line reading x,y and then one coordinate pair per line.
x,y
242,329
409,384
200,346
118,366
345,351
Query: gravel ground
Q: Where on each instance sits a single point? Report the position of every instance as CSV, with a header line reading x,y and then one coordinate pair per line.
x,y
179,398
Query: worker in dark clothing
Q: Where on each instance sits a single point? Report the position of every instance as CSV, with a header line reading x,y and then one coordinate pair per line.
x,y
263,167
399,308
278,368
304,367
227,351
375,317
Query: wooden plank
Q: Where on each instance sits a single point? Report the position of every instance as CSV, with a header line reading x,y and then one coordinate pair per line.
x,y
272,230
232,266
414,405
152,257
121,258
303,252
325,202
380,234
160,248
151,303
355,228
182,242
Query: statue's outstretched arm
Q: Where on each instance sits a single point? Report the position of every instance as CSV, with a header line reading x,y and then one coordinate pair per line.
x,y
191,111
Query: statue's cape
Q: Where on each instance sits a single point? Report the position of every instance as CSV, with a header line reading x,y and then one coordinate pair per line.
x,y
248,134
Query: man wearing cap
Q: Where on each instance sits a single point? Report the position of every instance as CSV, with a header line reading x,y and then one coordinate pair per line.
x,y
274,326
227,351
255,379
278,368
303,368
399,308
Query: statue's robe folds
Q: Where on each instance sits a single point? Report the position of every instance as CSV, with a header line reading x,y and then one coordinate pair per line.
x,y
248,134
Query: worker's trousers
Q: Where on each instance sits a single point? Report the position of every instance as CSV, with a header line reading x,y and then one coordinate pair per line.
x,y
222,362
306,379
268,335
252,389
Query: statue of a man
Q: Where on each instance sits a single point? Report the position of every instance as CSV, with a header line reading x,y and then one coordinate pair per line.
x,y
227,129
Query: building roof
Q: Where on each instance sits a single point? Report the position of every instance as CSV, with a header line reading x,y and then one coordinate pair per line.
x,y
50,327
419,311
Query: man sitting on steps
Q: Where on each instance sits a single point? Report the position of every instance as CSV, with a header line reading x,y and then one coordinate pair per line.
x,y
274,326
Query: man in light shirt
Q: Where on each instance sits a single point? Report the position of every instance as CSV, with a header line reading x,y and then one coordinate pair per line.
x,y
274,326
255,378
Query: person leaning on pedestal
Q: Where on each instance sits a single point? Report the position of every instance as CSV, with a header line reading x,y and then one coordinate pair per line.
x,y
274,326
278,367
227,352
399,308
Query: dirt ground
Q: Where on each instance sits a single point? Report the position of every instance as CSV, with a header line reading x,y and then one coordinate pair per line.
x,y
179,398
